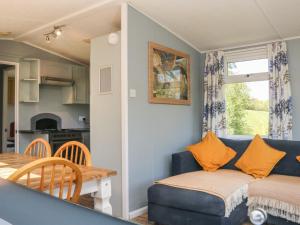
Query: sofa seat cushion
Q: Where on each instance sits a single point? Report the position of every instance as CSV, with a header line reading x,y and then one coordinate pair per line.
x,y
216,193
279,195
178,198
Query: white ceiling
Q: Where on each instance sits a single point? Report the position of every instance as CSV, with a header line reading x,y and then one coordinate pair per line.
x,y
213,24
204,24
85,19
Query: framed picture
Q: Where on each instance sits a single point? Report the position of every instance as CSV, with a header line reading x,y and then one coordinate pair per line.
x,y
168,76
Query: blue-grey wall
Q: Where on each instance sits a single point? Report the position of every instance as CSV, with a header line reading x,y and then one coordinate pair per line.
x,y
294,68
156,131
14,51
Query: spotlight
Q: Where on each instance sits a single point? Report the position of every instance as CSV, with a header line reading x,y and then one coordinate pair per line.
x,y
58,32
55,33
47,39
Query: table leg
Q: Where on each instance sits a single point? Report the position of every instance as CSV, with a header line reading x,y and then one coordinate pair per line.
x,y
102,196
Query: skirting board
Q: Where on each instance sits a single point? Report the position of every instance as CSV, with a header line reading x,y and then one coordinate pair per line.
x,y
138,212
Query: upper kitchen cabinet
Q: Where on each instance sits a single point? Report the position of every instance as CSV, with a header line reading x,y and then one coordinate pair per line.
x,y
79,92
29,80
74,80
56,69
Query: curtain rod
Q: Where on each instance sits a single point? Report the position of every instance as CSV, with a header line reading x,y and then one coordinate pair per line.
x,y
251,45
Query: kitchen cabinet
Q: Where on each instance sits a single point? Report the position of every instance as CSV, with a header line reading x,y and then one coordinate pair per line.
x,y
31,71
56,69
29,80
79,92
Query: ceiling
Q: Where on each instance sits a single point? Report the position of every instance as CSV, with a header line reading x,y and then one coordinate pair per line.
x,y
204,24
84,19
214,24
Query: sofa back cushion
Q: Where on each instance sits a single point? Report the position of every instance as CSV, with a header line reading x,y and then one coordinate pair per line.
x,y
286,166
289,164
239,146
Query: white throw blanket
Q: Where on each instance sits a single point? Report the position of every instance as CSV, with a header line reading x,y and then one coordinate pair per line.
x,y
229,185
279,195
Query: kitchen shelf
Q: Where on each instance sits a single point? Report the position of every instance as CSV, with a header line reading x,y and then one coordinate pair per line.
x,y
29,101
29,79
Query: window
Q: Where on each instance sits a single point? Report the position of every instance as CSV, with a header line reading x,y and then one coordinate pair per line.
x,y
247,92
248,67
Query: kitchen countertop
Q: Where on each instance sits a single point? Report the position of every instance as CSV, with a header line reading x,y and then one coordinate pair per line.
x,y
48,131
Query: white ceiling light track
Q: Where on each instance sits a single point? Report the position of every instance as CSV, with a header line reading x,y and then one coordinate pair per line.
x,y
55,33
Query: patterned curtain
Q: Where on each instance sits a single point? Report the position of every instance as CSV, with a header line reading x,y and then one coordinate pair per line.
x,y
214,101
280,92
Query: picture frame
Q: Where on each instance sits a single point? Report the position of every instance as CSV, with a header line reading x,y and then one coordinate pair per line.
x,y
168,76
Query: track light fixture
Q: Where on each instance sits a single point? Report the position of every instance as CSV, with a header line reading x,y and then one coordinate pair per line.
x,y
55,33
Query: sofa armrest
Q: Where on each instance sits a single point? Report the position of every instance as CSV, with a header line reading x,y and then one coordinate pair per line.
x,y
184,162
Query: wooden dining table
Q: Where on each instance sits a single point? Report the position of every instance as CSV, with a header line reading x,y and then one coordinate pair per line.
x,y
96,181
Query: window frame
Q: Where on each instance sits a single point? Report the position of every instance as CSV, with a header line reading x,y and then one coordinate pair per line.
x,y
246,54
241,56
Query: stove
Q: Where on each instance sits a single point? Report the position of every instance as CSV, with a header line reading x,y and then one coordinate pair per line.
x,y
51,123
58,137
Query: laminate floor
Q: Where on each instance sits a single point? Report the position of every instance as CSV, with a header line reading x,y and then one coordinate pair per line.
x,y
143,220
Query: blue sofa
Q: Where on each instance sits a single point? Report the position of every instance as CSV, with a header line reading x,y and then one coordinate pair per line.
x,y
174,206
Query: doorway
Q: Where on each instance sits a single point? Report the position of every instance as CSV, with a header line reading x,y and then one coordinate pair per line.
x,y
9,73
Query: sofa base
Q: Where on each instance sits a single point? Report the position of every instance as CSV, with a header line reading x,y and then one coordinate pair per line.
x,y
272,220
163,215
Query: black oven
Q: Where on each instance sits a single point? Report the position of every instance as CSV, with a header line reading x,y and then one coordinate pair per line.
x,y
58,138
51,123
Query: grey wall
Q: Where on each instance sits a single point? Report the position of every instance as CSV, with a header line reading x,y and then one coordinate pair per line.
x,y
294,67
156,131
14,51
106,115
51,102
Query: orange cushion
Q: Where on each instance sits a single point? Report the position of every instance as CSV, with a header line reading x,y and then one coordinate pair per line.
x,y
259,158
211,153
298,158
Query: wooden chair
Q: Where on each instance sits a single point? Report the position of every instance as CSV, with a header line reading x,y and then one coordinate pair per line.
x,y
38,147
76,152
50,174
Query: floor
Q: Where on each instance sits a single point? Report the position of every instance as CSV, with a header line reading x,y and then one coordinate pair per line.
x,y
86,201
143,220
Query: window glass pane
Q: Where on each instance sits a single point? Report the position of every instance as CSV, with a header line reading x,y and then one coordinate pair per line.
x,y
247,108
248,67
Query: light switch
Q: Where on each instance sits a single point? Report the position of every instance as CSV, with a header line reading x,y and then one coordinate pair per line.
x,y
132,93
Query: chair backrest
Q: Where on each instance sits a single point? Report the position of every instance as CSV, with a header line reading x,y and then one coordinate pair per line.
x,y
38,147
76,152
52,174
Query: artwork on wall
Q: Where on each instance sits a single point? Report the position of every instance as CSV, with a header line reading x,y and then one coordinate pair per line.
x,y
168,76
